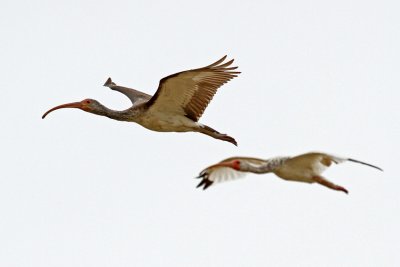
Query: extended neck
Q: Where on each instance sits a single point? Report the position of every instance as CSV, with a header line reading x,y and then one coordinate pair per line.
x,y
266,167
123,115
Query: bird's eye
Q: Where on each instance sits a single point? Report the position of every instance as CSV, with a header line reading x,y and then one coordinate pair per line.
x,y
87,101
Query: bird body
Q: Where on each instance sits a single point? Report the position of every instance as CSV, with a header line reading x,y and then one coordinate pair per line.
x,y
178,104
165,122
305,168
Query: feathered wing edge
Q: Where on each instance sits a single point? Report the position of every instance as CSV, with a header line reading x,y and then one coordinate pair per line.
x,y
195,108
222,67
210,176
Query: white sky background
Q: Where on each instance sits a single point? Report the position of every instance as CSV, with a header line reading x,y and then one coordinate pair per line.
x,y
82,190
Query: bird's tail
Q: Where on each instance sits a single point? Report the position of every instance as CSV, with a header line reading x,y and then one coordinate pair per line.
x,y
204,129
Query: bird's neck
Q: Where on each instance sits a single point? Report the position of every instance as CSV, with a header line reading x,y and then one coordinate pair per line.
x,y
268,166
120,115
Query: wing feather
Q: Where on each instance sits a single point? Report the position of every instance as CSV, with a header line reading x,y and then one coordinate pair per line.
x,y
220,174
188,93
210,176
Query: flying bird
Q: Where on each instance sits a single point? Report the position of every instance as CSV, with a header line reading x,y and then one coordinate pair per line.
x,y
177,105
305,168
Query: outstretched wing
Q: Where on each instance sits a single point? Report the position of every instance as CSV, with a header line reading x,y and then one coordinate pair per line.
x,y
210,176
189,92
213,174
135,96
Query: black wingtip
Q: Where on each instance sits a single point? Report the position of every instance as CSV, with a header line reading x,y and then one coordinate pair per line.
x,y
205,183
200,184
109,82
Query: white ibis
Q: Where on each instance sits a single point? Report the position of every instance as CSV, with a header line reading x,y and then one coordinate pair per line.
x,y
305,168
178,104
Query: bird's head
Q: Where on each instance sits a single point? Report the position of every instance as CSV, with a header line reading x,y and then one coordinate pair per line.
x,y
88,105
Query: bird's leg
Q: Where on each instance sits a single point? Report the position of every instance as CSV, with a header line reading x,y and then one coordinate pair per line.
x,y
329,184
204,129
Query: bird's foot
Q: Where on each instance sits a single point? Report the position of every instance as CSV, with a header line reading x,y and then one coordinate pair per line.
x,y
227,138
324,182
340,188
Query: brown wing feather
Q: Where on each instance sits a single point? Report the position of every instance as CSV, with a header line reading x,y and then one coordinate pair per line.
x,y
189,92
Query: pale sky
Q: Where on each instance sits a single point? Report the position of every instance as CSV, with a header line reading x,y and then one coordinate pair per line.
x,y
82,190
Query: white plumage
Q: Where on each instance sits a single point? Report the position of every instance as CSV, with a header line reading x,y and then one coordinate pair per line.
x,y
303,168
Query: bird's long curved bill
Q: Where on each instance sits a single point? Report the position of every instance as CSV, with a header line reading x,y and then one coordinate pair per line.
x,y
364,163
69,105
